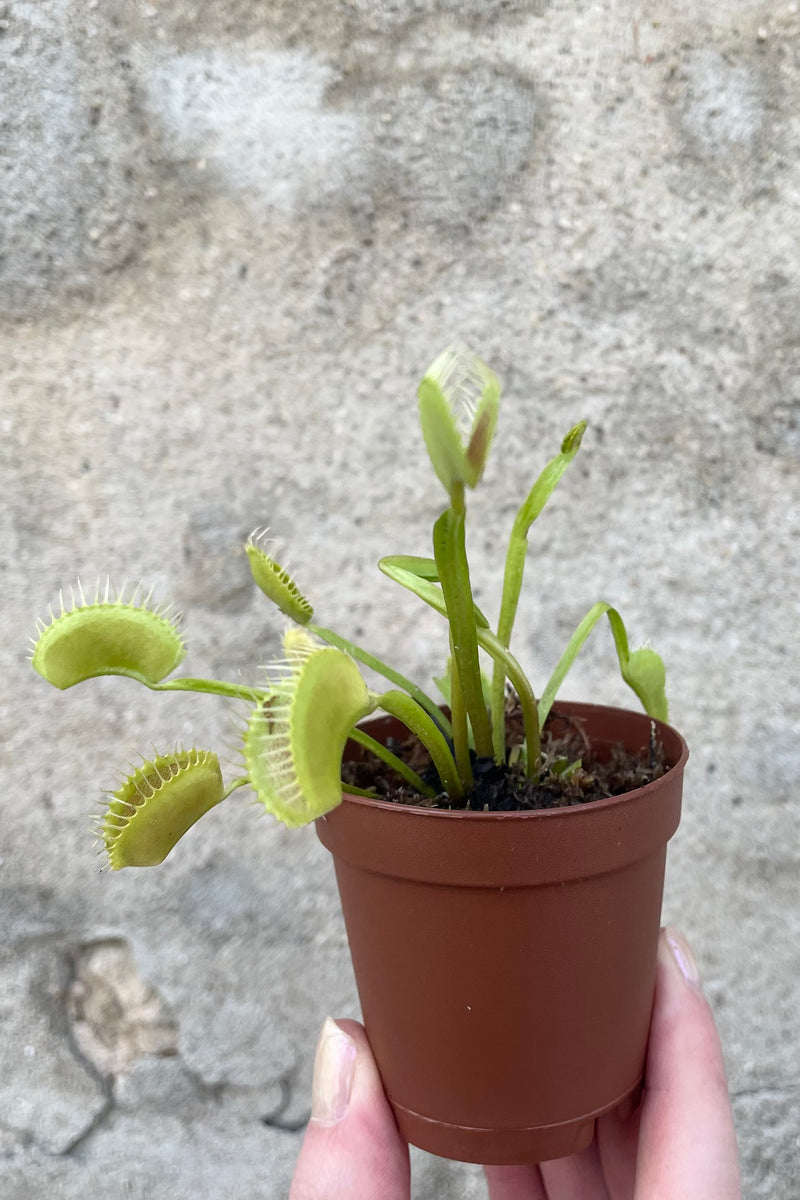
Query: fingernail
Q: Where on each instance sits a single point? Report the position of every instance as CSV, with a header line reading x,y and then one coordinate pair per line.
x,y
682,953
334,1067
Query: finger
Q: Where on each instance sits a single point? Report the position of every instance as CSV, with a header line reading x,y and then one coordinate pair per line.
x,y
575,1178
618,1144
515,1183
352,1149
687,1140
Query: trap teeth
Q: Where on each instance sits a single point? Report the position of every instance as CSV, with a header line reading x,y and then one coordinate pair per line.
x,y
106,637
277,584
155,806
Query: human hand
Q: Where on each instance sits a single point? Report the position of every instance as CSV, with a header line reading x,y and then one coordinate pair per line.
x,y
679,1143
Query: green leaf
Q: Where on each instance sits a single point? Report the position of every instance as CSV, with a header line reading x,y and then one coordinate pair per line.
x,y
643,670
571,442
415,564
107,637
445,686
421,586
451,558
514,570
155,806
562,768
294,740
646,674
362,738
382,668
432,596
276,583
459,398
548,480
445,683
414,717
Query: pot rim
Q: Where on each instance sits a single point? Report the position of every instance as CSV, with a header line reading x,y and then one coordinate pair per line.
x,y
574,708
517,849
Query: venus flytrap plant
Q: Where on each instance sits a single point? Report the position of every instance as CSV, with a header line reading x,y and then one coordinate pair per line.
x,y
306,707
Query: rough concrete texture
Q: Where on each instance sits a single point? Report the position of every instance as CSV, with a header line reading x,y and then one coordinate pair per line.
x,y
234,234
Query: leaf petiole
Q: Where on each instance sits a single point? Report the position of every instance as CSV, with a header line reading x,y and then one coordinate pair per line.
x,y
514,571
642,669
451,558
376,664
237,783
212,687
401,705
391,760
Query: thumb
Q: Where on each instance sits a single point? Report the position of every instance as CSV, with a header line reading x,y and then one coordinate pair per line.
x,y
687,1141
352,1149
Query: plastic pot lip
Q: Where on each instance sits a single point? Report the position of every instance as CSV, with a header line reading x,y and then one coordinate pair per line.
x,y
571,812
539,847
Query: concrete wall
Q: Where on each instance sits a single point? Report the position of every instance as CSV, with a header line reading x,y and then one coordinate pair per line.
x,y
234,234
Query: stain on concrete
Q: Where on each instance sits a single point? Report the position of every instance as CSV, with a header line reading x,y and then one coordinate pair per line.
x,y
441,145
254,121
73,204
730,92
447,145
328,29
215,573
723,106
116,1017
51,1097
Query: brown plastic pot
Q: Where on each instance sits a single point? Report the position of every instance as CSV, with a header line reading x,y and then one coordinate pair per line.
x,y
505,962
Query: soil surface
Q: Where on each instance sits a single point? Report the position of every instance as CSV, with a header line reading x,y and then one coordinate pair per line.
x,y
569,774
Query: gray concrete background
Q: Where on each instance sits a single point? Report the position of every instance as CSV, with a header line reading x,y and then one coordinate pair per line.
x,y
233,235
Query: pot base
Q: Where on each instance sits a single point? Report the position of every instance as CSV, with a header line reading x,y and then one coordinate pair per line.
x,y
504,1147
